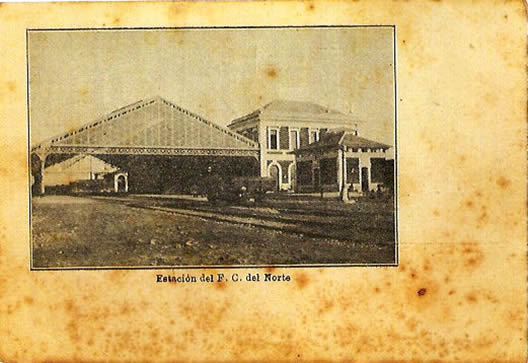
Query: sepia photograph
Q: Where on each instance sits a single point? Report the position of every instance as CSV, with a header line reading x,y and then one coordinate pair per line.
x,y
212,147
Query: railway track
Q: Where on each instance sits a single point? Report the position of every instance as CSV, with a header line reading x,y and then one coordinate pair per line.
x,y
283,222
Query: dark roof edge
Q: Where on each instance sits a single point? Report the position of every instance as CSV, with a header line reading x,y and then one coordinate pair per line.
x,y
321,144
246,117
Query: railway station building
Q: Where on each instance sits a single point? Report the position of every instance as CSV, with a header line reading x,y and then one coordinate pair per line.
x,y
158,146
303,146
154,146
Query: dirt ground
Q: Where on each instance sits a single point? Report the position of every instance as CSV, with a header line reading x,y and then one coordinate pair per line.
x,y
72,231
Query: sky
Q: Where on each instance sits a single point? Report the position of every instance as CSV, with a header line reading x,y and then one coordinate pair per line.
x,y
220,74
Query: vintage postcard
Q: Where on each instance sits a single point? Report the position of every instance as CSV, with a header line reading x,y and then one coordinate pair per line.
x,y
263,181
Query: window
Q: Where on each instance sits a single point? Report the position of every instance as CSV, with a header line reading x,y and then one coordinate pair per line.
x,y
378,170
273,139
328,169
352,169
314,136
304,172
294,139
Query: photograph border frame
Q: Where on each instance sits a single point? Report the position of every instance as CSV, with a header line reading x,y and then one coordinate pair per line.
x,y
204,267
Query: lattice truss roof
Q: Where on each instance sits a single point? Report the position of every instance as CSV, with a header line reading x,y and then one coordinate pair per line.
x,y
152,123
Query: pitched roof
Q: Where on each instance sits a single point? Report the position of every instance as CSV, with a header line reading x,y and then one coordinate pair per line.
x,y
297,108
154,122
353,141
345,137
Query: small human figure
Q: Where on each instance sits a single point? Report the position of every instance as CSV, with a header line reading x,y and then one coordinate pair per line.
x,y
379,192
194,190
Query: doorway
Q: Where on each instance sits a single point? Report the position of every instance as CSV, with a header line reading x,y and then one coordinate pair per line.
x,y
121,184
317,179
364,180
275,174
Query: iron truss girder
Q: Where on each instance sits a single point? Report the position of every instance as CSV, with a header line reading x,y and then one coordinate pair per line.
x,y
127,150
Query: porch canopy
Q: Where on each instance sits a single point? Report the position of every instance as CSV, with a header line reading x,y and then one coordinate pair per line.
x,y
340,157
344,139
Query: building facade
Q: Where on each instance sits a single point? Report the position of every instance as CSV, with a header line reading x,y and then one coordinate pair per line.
x,y
307,147
280,128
